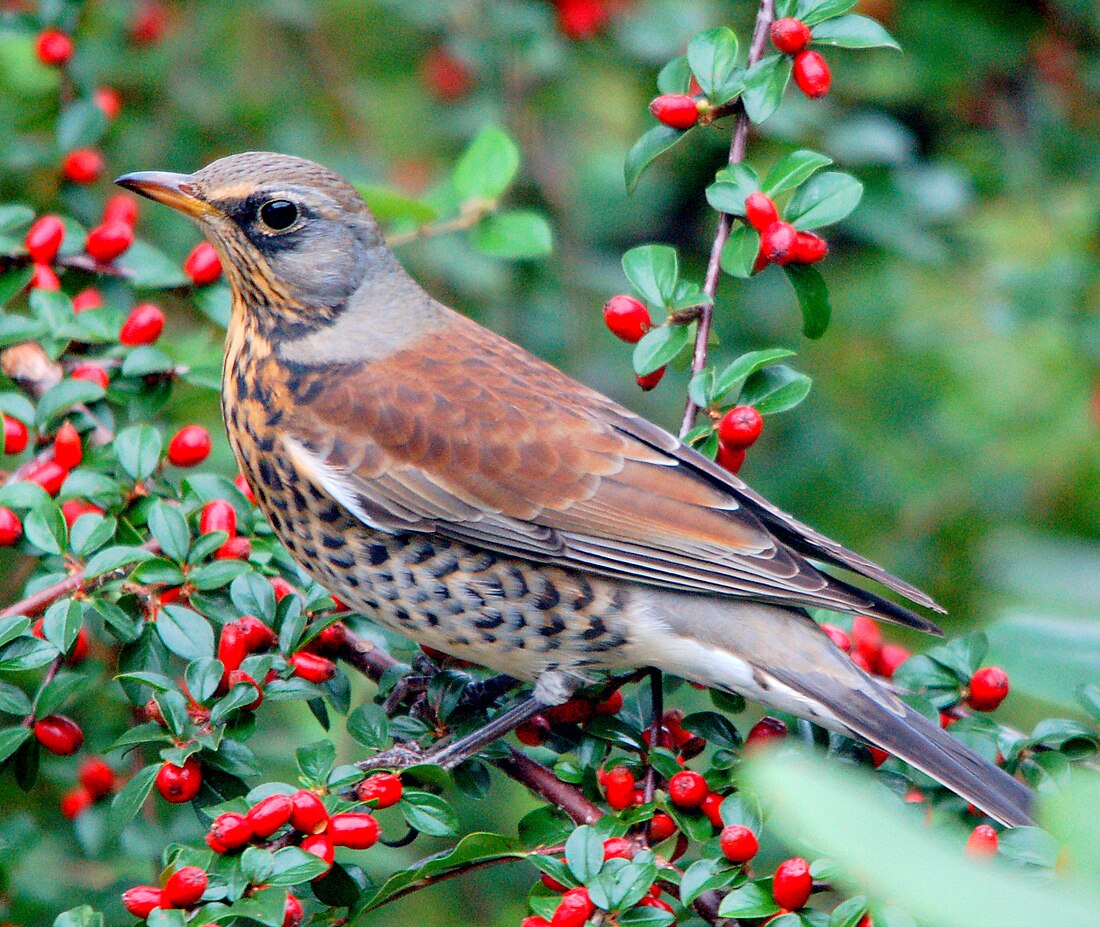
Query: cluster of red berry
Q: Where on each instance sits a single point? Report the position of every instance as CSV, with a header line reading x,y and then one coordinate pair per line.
x,y
780,242
535,731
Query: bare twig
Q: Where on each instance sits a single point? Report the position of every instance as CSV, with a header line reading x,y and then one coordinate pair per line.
x,y
470,216
764,17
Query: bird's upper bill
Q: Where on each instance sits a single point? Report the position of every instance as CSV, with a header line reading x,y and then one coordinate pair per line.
x,y
175,190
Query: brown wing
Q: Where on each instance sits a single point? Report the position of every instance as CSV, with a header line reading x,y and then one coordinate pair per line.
x,y
466,434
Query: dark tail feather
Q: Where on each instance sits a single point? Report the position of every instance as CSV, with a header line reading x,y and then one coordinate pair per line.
x,y
910,736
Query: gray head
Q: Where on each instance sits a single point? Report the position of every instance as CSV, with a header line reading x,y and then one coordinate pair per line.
x,y
295,238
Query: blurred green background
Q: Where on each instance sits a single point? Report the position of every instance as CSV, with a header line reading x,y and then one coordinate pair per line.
x,y
952,432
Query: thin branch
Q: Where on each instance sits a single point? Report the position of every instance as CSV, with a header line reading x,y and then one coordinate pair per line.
x,y
470,216
739,142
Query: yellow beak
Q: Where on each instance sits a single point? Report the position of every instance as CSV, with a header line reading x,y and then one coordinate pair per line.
x,y
175,190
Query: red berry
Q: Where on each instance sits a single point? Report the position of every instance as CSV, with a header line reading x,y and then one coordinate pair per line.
x,y
234,549
626,317
766,730
202,264
712,808
321,846
185,887
988,688
44,239
269,814
76,802
867,639
257,635
982,841
891,657
650,902
142,326
308,814
83,166
740,427
89,298
687,789
650,380
778,241
575,711
149,22
121,208
581,19
573,910
792,883
331,638
739,843
178,784
15,435
141,899
228,832
553,884
92,373
72,509
676,110
619,788
811,73
838,636
292,912
96,776
109,102
67,449
384,788
53,47
356,830
446,76
59,734
760,211
242,484
618,848
661,827
80,648
280,587
534,922
611,705
218,515
232,647
45,278
11,528
48,474
189,446
311,667
239,677
534,731
809,248
790,35
729,459
878,755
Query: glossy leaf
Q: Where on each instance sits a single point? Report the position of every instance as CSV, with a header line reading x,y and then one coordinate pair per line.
x,y
813,298
712,56
675,77
733,377
740,251
645,150
775,389
516,234
732,185
823,200
853,31
765,83
812,12
794,169
659,346
488,166
654,270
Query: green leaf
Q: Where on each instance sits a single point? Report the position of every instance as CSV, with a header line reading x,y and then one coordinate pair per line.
x,y
53,696
144,360
139,448
712,56
1072,816
488,166
129,800
794,169
316,760
765,84
186,633
11,739
654,270
701,876
203,678
878,847
812,12
217,574
660,345
150,269
675,77
645,151
13,700
390,206
84,916
294,866
823,200
584,853
90,532
170,530
26,653
853,31
739,253
428,814
45,528
813,298
114,557
514,234
63,397
753,899
849,913
775,389
252,595
81,123
13,282
1030,845
369,726
646,917
732,185
733,377
257,863
61,623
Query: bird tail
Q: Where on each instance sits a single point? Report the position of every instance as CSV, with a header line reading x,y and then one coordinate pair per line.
x,y
782,658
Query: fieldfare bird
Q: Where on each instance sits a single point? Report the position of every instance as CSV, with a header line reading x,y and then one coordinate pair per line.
x,y
467,494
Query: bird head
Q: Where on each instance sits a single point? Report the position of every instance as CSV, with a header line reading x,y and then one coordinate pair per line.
x,y
295,239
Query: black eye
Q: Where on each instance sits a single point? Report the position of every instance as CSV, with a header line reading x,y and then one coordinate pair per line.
x,y
279,214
